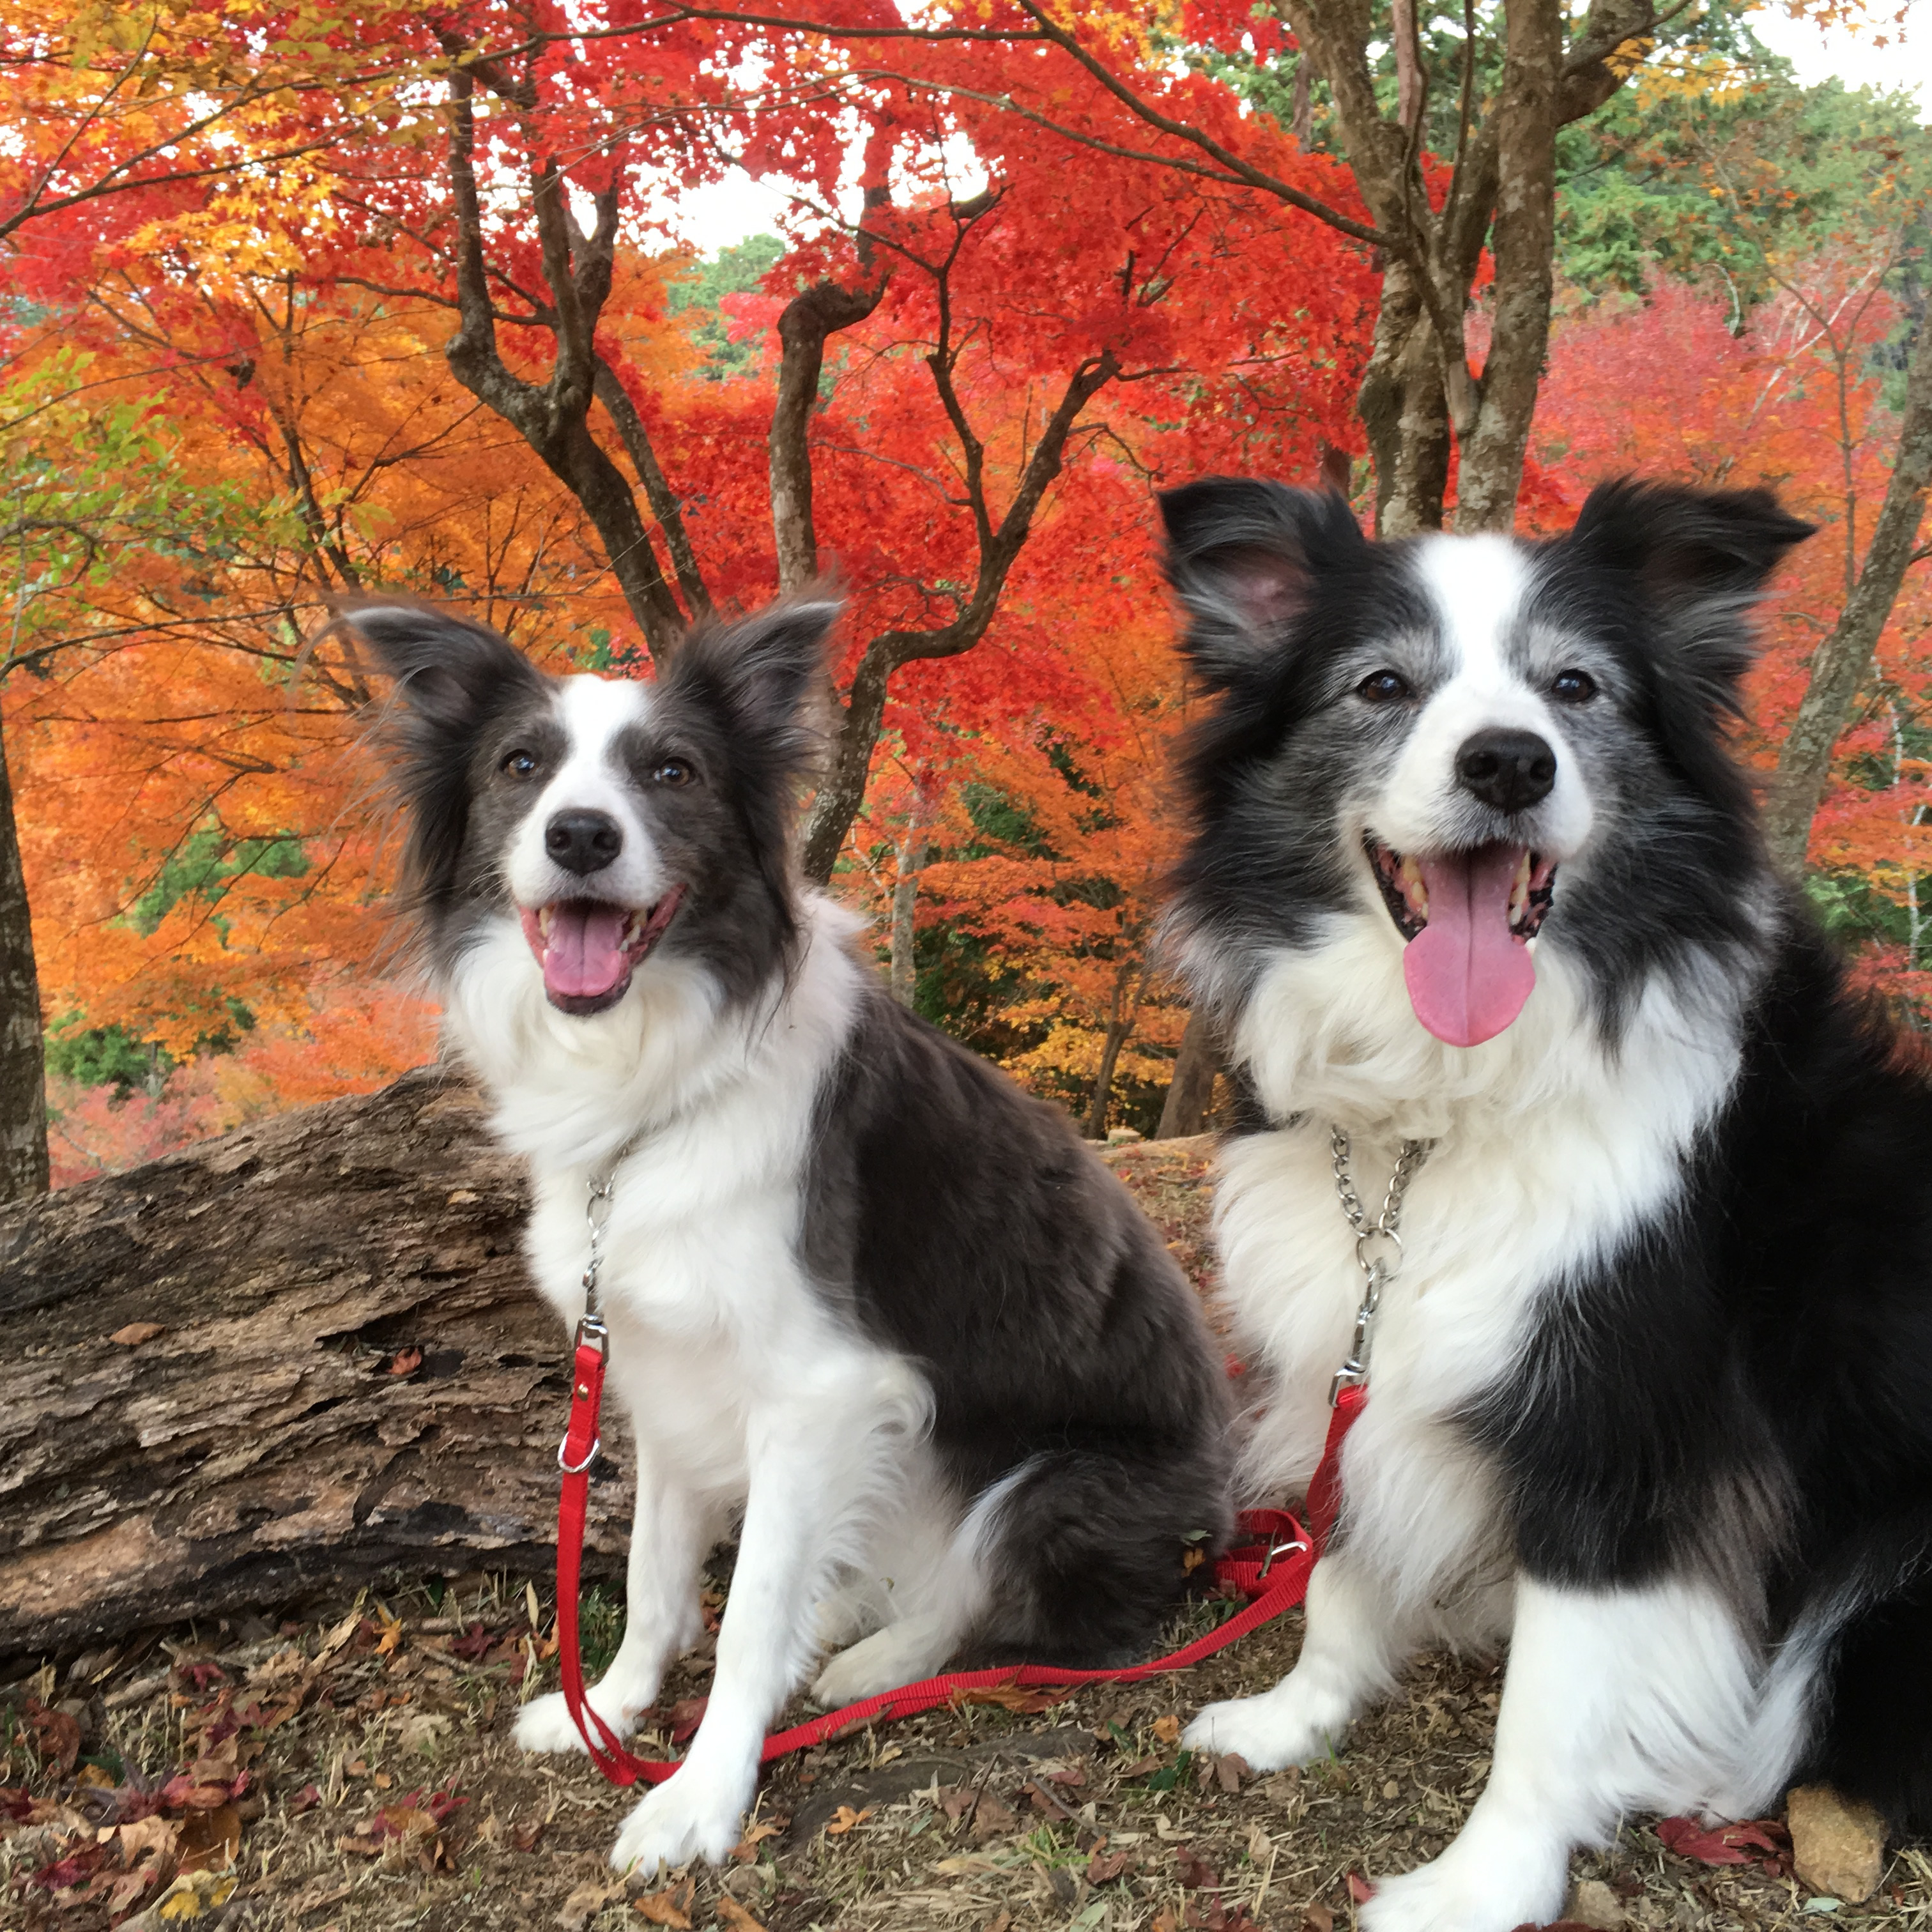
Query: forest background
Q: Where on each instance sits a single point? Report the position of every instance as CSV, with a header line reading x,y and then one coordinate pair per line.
x,y
304,299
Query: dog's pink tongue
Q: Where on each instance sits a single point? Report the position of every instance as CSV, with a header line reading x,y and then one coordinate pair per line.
x,y
1467,973
585,954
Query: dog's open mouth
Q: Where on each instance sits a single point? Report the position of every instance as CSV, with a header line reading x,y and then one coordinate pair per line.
x,y
589,948
1468,917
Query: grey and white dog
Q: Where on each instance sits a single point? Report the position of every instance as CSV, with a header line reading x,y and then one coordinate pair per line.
x,y
862,1292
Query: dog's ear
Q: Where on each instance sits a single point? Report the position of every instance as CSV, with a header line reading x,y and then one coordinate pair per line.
x,y
1243,557
763,674
449,672
1702,559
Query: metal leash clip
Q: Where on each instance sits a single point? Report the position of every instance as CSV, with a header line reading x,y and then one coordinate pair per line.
x,y
1378,1270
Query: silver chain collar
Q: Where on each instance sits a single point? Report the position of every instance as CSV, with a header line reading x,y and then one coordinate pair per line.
x,y
599,1188
1379,1268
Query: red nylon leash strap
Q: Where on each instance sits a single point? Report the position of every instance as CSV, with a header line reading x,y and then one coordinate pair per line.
x,y
1272,1569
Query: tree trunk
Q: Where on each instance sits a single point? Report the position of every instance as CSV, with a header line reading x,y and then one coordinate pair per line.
x,y
905,900
1119,1023
1842,662
23,1092
1190,1095
352,1378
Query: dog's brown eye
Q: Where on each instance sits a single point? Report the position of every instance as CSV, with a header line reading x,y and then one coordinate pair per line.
x,y
1383,687
673,771
520,764
1572,687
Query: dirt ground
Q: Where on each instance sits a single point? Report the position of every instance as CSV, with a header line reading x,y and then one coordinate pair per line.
x,y
347,1767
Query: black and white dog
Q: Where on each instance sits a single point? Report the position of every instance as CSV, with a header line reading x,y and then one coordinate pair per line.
x,y
858,1286
1651,1392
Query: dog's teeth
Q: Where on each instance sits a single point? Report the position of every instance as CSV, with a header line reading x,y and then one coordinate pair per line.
x,y
633,929
546,919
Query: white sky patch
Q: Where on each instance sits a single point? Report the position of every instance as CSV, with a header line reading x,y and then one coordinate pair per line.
x,y
723,212
1837,52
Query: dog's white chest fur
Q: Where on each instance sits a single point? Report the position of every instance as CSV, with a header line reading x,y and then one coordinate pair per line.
x,y
1537,1170
713,1324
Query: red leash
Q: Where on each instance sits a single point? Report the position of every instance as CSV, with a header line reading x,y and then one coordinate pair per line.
x,y
1272,1571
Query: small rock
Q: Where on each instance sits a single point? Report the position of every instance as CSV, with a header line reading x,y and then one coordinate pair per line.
x,y
1594,1904
136,1333
1837,1845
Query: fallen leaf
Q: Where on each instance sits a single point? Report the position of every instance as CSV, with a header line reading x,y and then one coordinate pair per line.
x,y
309,1796
992,1819
733,1915
956,1800
136,1333
1166,1920
210,1840
56,1736
1230,1769
1359,1889
747,1847
1761,1841
587,1900
1015,1697
71,1871
1194,1872
1168,1729
192,1894
661,1909
686,1714
472,1644
525,1837
1317,1918
405,1362
845,1819
1102,1868
1043,1800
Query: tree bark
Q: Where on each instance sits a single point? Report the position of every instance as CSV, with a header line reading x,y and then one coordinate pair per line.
x,y
807,320
1190,1095
23,1092
352,1379
1843,660
905,901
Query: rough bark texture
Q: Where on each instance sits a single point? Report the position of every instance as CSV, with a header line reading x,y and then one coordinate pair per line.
x,y
352,1377
807,320
1843,661
1190,1095
23,1106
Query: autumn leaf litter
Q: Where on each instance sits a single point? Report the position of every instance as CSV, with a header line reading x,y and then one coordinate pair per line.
x,y
352,1772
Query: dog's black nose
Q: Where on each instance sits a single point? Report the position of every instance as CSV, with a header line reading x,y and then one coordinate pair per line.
x,y
1511,770
582,842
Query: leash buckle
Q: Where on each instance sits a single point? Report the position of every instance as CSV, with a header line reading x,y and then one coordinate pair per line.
x,y
571,1468
1352,1374
591,1328
1287,1548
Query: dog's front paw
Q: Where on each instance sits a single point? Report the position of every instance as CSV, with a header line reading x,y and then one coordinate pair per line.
x,y
1270,1732
684,1818
545,1723
901,1653
1468,1890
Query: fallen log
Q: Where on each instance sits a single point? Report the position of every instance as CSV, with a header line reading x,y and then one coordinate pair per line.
x,y
348,1377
